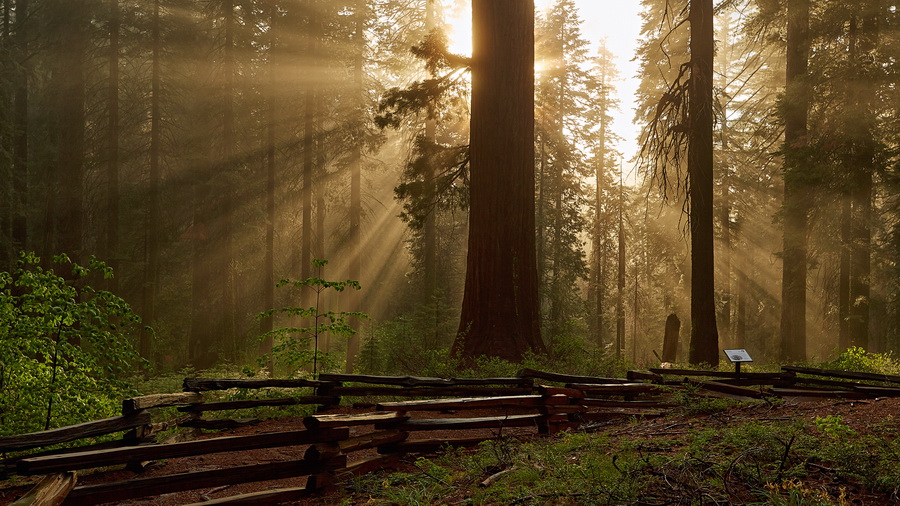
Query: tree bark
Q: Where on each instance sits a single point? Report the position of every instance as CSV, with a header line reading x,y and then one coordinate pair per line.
x,y
112,162
704,334
796,191
19,202
69,220
500,314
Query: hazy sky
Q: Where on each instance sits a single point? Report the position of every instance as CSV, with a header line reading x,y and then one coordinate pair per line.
x,y
617,21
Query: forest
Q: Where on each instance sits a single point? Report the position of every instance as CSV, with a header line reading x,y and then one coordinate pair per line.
x,y
284,187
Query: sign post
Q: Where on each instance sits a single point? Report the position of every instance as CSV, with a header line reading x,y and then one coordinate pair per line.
x,y
737,357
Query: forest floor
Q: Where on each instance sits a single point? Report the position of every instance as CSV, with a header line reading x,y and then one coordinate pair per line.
x,y
683,457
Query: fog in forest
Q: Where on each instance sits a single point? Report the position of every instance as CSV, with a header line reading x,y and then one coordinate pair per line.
x,y
206,150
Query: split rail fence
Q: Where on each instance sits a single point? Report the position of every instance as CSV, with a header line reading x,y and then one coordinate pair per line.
x,y
328,449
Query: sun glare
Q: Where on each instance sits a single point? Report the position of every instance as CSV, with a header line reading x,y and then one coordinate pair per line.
x,y
459,32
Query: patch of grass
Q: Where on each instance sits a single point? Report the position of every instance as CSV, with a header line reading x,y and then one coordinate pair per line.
x,y
756,461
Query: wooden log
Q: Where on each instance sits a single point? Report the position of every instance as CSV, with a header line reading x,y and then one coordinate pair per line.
x,y
342,420
834,394
743,382
205,384
878,391
219,423
644,376
489,422
50,491
9,465
566,378
560,408
142,487
73,432
615,388
372,440
716,386
159,400
275,496
413,381
608,403
430,445
549,391
285,401
427,391
103,458
597,416
462,403
723,374
885,378
368,465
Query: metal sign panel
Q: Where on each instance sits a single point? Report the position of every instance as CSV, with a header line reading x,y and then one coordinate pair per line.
x,y
738,355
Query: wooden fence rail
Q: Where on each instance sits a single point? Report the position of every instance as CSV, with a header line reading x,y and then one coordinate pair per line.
x,y
330,439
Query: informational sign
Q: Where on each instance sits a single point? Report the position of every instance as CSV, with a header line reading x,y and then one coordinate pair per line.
x,y
738,355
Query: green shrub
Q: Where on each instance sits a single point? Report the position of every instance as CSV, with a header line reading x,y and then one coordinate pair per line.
x,y
65,352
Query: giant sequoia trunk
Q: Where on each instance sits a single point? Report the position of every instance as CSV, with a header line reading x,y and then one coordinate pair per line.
x,y
704,335
500,303
796,199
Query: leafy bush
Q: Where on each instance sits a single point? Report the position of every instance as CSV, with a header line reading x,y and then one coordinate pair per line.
x,y
65,351
857,359
291,350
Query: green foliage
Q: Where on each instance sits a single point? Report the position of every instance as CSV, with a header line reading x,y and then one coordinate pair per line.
x,y
292,344
65,351
834,426
857,359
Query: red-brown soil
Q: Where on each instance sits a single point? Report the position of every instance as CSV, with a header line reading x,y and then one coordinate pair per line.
x,y
858,415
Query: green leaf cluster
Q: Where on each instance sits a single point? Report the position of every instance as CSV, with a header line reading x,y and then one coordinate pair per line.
x,y
65,348
291,347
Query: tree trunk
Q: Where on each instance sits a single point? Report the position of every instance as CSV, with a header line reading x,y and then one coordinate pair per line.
x,y
70,129
112,164
863,161
356,183
500,313
19,202
154,214
429,227
796,192
620,299
704,334
844,273
670,340
227,259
